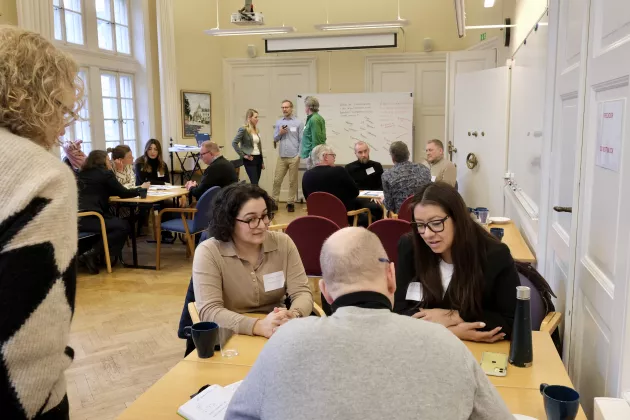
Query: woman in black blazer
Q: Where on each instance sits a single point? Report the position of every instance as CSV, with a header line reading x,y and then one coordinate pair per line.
x,y
452,271
150,167
248,145
96,184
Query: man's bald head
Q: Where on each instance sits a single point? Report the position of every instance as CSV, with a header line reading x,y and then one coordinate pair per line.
x,y
209,151
210,146
352,261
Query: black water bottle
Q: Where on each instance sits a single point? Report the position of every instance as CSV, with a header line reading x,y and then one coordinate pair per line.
x,y
521,352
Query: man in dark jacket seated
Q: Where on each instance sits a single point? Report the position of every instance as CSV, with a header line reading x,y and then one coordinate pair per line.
x,y
219,173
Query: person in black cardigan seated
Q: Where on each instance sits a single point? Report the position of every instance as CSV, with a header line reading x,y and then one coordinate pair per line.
x,y
96,184
452,271
335,180
219,173
366,173
150,167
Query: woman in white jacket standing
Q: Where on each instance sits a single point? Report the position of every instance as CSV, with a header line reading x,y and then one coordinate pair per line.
x,y
40,95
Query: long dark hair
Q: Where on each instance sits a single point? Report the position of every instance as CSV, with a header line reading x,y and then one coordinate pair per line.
x,y
119,152
144,159
96,159
468,252
226,205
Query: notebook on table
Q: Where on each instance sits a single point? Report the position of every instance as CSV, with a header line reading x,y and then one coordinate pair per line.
x,y
209,404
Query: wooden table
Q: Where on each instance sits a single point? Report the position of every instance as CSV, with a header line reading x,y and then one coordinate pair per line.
x,y
514,240
150,199
519,389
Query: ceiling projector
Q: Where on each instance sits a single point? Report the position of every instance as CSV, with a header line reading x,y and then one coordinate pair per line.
x,y
247,16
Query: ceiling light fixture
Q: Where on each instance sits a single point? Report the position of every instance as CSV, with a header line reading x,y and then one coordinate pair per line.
x,y
490,26
247,31
488,3
349,26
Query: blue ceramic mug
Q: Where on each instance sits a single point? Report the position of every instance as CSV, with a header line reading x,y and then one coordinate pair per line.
x,y
561,402
497,232
205,335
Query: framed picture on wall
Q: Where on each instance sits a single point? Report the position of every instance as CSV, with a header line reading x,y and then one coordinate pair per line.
x,y
196,113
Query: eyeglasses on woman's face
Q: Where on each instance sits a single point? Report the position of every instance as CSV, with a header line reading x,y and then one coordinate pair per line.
x,y
254,222
435,226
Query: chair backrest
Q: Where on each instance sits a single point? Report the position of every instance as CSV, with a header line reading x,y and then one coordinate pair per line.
x,y
404,213
389,232
537,306
309,234
201,137
327,205
204,207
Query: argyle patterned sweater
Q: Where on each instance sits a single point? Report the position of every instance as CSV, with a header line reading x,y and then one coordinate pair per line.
x,y
38,245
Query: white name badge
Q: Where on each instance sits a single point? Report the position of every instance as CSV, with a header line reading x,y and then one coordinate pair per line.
x,y
433,178
414,291
370,171
160,175
293,129
273,281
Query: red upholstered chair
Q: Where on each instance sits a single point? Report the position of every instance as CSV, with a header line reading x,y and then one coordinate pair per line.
x,y
389,232
327,205
404,213
309,234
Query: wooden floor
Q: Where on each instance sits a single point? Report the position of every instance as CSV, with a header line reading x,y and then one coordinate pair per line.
x,y
124,331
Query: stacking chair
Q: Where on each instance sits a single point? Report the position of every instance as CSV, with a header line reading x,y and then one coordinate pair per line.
x,y
542,320
188,227
404,213
309,234
327,205
83,235
389,232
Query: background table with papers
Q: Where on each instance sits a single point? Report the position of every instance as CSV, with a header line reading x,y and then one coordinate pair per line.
x,y
519,389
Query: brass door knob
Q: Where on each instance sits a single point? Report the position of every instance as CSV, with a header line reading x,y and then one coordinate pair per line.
x,y
471,161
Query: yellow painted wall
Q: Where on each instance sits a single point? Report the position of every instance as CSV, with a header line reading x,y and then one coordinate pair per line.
x,y
526,14
8,12
199,56
155,65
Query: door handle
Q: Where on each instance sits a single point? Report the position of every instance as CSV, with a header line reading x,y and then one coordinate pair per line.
x,y
560,209
451,149
471,161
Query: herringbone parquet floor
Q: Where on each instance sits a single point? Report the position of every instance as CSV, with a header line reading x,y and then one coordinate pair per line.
x,y
124,331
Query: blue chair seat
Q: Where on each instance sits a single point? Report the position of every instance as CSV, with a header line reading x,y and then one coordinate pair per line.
x,y
176,225
83,235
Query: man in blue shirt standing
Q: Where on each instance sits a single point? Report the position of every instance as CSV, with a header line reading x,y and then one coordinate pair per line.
x,y
288,135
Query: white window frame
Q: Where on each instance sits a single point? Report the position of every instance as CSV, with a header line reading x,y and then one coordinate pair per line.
x,y
71,131
64,35
119,99
113,24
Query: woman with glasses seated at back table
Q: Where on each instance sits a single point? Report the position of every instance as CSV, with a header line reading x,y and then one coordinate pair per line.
x,y
244,268
452,271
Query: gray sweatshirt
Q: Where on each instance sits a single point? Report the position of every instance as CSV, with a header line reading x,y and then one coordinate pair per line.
x,y
366,364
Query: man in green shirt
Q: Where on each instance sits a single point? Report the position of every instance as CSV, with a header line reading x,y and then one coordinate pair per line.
x,y
314,131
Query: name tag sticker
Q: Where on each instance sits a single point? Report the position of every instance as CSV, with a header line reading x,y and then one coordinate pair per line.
x,y
414,291
370,171
273,281
293,129
433,178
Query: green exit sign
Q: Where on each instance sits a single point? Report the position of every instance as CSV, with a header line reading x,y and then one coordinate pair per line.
x,y
483,36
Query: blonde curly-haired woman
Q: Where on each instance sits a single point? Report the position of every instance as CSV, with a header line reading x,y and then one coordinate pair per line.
x,y
40,95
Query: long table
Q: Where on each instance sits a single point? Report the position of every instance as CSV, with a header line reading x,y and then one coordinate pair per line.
x,y
519,389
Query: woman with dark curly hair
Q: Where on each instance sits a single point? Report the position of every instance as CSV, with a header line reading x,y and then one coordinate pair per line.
x,y
245,268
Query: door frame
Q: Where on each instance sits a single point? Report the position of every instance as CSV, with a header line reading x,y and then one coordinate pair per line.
x,y
230,64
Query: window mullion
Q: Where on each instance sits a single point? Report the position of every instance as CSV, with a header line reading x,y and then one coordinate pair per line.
x,y
113,18
62,17
120,113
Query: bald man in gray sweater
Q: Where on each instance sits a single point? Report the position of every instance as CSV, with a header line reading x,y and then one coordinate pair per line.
x,y
364,362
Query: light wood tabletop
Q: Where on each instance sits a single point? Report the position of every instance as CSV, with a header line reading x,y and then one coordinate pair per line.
x,y
514,240
528,402
519,389
150,199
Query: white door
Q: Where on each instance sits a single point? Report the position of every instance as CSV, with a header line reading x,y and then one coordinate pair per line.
x,y
261,84
425,76
566,140
461,62
600,319
481,129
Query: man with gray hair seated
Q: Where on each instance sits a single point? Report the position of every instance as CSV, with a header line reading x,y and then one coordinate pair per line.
x,y
364,362
314,130
326,177
403,179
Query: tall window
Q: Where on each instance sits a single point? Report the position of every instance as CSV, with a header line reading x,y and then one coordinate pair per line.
x,y
80,130
112,17
68,21
118,109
